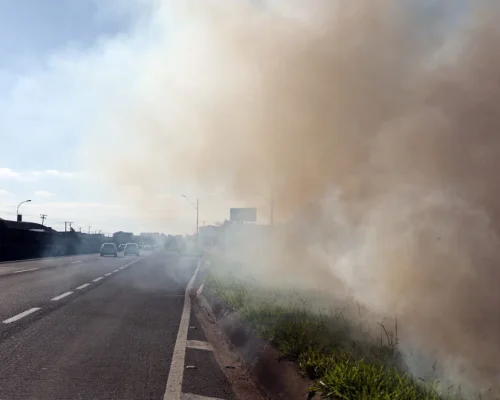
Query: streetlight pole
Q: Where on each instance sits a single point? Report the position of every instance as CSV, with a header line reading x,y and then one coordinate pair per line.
x,y
19,217
197,207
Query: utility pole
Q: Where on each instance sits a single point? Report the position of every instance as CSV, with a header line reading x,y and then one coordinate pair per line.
x,y
43,216
65,225
69,223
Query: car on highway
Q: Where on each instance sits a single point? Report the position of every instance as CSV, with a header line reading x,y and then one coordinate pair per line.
x,y
131,248
109,249
121,247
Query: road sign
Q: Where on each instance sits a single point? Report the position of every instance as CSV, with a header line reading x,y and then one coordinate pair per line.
x,y
243,214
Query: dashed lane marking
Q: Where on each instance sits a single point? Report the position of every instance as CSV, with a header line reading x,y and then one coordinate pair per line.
x,y
61,296
83,286
25,270
173,391
76,262
98,279
199,345
108,274
21,315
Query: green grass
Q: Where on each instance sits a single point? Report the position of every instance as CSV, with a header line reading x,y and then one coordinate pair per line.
x,y
338,353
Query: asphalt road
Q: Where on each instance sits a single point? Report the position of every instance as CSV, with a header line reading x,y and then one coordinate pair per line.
x,y
105,328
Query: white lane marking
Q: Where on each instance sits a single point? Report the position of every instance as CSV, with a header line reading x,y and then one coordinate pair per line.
x,y
189,396
116,270
121,268
61,296
76,262
199,345
25,270
83,286
173,391
108,274
21,315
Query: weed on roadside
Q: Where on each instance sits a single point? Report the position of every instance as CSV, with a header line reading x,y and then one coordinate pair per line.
x,y
338,353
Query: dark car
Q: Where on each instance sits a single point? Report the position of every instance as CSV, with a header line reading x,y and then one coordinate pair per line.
x,y
109,249
131,248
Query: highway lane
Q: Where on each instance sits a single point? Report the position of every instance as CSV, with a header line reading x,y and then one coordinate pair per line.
x,y
24,266
114,339
23,291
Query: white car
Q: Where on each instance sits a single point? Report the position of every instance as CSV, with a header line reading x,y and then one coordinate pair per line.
x,y
131,248
109,249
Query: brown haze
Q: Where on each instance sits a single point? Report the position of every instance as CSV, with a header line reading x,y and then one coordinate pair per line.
x,y
377,132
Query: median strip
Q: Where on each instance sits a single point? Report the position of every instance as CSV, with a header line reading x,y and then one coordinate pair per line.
x,y
21,315
61,296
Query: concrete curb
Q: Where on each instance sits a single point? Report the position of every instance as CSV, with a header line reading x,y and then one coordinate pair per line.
x,y
277,378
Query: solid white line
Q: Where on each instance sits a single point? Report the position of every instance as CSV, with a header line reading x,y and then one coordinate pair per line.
x,y
83,286
19,316
25,270
76,262
189,396
108,274
98,279
173,391
199,345
61,296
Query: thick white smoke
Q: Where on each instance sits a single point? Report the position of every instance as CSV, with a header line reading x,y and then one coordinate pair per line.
x,y
392,106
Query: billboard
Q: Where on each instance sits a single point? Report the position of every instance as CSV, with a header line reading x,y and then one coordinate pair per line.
x,y
243,214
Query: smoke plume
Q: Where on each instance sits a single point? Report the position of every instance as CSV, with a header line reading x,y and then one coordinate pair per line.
x,y
372,123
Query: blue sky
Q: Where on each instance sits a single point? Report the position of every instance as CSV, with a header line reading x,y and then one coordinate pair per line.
x,y
63,65
47,50
33,35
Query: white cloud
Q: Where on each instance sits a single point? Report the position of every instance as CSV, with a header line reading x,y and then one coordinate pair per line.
x,y
10,174
7,173
4,192
43,193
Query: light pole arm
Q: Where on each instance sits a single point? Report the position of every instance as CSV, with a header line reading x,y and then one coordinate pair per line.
x,y
19,205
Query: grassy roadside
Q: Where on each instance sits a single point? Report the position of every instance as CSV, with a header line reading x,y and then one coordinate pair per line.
x,y
338,353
